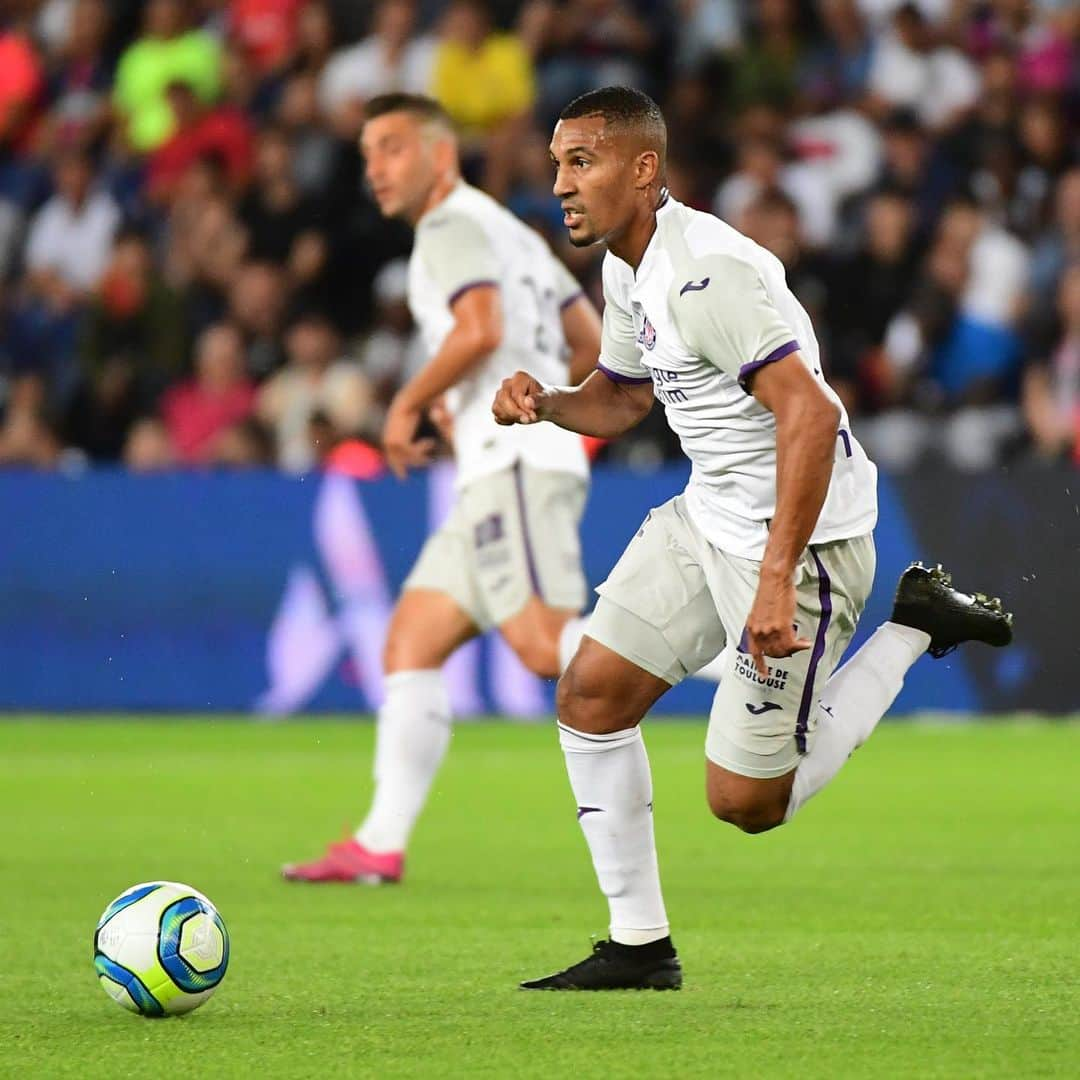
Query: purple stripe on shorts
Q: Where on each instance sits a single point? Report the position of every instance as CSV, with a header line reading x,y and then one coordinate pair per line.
x,y
571,300
808,696
614,376
519,487
457,294
846,439
777,354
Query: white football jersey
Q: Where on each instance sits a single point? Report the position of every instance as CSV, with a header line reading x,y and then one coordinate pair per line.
x,y
467,240
707,308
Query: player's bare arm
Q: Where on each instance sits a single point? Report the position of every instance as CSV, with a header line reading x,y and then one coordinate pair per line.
x,y
806,426
599,407
476,333
581,328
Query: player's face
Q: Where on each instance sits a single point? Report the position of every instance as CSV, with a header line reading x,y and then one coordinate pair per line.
x,y
594,179
400,163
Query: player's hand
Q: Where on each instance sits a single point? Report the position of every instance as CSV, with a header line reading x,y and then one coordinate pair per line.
x,y
402,449
770,626
442,418
520,400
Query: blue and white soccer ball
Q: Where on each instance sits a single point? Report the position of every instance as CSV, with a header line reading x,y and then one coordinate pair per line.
x,y
160,949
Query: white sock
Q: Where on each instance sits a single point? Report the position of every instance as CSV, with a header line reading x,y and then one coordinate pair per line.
x,y
412,735
611,781
570,639
856,697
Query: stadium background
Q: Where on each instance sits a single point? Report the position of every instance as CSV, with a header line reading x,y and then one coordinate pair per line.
x,y
202,317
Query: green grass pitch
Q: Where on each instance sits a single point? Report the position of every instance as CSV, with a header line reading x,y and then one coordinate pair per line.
x,y
920,918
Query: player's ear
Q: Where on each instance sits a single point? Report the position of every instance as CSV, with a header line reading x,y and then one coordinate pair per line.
x,y
647,169
446,154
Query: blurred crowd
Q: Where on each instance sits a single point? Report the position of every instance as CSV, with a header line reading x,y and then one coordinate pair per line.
x,y
191,272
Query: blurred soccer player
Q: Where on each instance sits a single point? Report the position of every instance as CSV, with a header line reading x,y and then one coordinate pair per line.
x,y
489,297
769,550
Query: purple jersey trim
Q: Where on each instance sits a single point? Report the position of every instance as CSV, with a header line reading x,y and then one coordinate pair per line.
x,y
458,293
572,299
808,696
777,354
530,559
614,376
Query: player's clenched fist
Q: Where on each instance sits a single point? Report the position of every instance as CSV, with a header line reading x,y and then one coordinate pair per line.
x,y
519,400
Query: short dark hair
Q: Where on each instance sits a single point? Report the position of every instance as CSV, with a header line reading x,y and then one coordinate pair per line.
x,y
421,106
626,108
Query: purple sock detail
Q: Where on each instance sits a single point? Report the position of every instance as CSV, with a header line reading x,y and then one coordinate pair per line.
x,y
583,810
825,598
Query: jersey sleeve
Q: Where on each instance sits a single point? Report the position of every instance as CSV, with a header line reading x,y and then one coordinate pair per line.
x,y
457,254
567,287
725,315
620,355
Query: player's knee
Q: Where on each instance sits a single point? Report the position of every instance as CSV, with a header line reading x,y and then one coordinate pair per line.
x,y
749,817
406,649
586,703
533,634
538,654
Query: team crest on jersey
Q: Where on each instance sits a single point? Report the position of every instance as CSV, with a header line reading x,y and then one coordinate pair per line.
x,y
647,334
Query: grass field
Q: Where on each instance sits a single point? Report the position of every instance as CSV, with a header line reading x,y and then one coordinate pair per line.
x,y
921,918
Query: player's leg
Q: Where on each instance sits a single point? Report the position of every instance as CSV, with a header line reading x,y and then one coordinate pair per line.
x,y
929,615
528,561
437,612
543,637
654,623
760,727
796,736
414,720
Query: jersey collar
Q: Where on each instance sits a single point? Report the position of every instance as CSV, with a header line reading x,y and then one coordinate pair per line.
x,y
663,208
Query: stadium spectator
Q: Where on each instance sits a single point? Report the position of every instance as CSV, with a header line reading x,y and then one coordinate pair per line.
x,y
79,79
195,412
315,38
133,344
865,291
283,226
836,70
389,59
220,133
1052,386
312,144
246,444
168,52
762,166
317,398
1056,247
149,447
265,30
484,79
828,131
912,68
257,305
21,83
66,252
585,44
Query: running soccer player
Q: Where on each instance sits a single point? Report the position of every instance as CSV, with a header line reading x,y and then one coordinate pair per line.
x,y
769,548
489,297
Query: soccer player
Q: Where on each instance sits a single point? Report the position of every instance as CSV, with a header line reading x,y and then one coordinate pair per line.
x,y
769,548
489,297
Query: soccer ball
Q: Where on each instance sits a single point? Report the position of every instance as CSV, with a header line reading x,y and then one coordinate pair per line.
x,y
160,949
